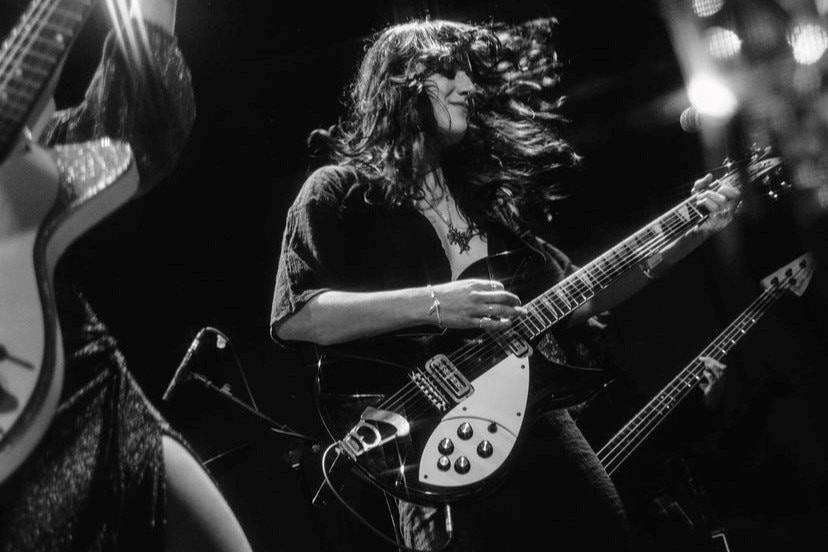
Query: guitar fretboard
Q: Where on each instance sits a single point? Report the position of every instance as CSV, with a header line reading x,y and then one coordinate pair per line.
x,y
578,288
29,57
575,290
628,438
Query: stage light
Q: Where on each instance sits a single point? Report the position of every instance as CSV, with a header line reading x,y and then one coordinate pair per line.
x,y
711,96
723,43
809,41
706,8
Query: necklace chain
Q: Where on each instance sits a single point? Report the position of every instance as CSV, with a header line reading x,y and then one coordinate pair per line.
x,y
455,236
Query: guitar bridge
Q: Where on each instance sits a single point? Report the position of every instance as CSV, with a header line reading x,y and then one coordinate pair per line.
x,y
375,428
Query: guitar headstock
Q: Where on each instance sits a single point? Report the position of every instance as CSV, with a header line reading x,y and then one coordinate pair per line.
x,y
760,168
794,276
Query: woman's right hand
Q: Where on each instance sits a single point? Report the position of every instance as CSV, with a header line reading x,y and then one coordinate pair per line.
x,y
474,303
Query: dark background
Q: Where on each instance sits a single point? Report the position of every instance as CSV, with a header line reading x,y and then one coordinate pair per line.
x,y
201,250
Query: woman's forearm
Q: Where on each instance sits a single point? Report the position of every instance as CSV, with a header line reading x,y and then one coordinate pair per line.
x,y
337,317
637,278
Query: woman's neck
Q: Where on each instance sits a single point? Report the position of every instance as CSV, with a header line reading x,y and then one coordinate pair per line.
x,y
433,184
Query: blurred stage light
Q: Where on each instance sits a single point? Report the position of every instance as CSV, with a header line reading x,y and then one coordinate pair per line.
x,y
706,8
809,41
710,96
723,43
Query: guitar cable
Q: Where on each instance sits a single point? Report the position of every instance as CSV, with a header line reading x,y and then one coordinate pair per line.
x,y
379,533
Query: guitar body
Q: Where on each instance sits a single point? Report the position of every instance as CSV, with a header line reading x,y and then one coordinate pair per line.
x,y
425,449
48,198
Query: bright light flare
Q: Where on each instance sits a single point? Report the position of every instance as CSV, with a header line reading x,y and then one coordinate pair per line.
x,y
808,41
710,96
130,30
706,8
723,43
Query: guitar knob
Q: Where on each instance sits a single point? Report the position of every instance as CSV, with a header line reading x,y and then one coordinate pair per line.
x,y
465,431
492,427
484,449
462,465
446,446
443,464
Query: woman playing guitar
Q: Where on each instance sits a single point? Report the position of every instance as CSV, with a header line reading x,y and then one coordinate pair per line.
x,y
451,152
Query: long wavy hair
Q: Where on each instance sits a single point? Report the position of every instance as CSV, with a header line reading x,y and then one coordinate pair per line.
x,y
510,165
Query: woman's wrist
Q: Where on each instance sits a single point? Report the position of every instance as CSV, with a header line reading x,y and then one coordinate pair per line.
x,y
435,315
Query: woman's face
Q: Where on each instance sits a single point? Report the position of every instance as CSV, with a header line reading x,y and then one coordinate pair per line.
x,y
450,100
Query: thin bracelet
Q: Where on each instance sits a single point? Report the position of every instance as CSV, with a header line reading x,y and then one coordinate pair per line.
x,y
435,306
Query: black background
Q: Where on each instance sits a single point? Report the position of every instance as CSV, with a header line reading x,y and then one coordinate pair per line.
x,y
201,249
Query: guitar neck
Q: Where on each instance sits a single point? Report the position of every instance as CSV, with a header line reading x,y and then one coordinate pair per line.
x,y
574,291
29,58
628,438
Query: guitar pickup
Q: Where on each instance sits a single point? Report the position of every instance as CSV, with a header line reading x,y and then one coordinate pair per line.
x,y
445,374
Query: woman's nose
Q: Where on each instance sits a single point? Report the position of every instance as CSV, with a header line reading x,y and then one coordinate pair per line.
x,y
464,84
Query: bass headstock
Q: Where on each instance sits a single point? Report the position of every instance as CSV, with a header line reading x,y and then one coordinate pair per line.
x,y
794,276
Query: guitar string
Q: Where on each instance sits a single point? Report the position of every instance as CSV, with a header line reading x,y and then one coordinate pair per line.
x,y
19,39
579,287
36,18
412,389
472,350
468,351
650,417
670,233
404,396
653,422
655,412
654,417
475,349
10,122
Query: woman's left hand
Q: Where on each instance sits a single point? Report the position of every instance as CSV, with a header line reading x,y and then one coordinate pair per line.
x,y
712,382
720,203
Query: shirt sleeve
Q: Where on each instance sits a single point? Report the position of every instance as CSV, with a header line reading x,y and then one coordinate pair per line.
x,y
311,257
143,97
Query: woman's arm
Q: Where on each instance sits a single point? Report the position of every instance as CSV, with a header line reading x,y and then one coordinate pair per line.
x,y
720,204
141,93
337,317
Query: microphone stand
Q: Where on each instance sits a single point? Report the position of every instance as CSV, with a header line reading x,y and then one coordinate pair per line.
x,y
276,427
294,456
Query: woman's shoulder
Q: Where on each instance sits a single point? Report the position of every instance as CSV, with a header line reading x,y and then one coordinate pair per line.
x,y
334,185
328,184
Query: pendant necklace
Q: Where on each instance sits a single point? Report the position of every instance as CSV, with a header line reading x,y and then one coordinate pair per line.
x,y
455,236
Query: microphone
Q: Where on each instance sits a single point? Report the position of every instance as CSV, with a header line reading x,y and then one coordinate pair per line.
x,y
690,120
182,373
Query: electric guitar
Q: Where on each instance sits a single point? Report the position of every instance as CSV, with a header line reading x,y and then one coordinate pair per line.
x,y
793,277
437,418
48,198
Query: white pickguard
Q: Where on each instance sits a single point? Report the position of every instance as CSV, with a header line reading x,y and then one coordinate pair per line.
x,y
495,412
